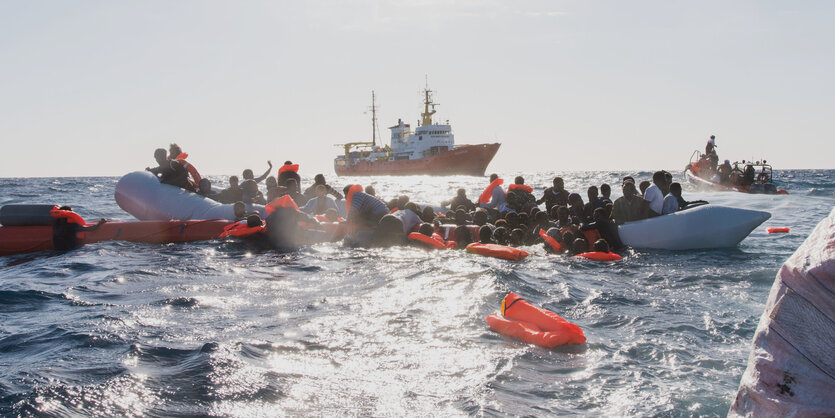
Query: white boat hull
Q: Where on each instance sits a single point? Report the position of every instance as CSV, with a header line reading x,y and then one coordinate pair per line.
x,y
705,226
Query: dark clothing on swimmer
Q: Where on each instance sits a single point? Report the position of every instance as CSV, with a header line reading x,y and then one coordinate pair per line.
x,y
231,195
173,173
628,210
588,208
284,230
457,201
608,230
65,235
366,209
554,198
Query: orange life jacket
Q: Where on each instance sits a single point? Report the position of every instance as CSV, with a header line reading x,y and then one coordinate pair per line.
x,y
592,235
281,202
195,176
524,187
496,250
777,230
520,319
240,229
550,241
430,241
288,167
69,215
323,218
600,256
487,194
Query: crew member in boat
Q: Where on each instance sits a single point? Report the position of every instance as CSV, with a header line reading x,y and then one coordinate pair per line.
x,y
170,171
724,172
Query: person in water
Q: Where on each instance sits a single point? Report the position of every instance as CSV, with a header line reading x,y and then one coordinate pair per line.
x,y
320,203
251,194
248,175
289,174
274,191
233,193
575,205
555,195
607,229
523,193
594,203
629,207
388,232
170,171
370,190
204,188
320,179
579,246
601,246
293,192
67,235
655,193
365,209
460,199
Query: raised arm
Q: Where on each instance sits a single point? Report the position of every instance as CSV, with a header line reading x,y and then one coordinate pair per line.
x,y
266,173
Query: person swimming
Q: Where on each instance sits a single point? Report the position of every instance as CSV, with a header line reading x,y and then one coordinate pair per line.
x,y
65,234
233,193
607,229
205,189
289,173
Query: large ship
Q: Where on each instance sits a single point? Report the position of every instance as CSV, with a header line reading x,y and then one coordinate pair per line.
x,y
429,150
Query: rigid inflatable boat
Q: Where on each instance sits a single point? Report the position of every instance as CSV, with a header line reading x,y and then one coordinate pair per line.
x,y
705,226
142,195
791,369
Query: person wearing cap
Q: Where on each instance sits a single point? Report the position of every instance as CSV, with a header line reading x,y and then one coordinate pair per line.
x,y
724,171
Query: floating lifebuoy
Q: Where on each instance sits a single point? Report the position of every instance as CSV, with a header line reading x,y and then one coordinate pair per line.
x,y
520,319
496,250
600,256
430,241
487,194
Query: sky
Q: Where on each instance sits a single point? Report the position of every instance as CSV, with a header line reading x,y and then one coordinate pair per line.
x,y
91,88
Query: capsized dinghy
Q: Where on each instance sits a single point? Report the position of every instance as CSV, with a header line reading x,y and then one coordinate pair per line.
x,y
707,226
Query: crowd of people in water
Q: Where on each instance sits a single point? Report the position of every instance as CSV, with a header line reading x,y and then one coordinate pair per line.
x,y
511,217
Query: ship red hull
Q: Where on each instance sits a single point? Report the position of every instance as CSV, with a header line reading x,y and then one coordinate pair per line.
x,y
467,160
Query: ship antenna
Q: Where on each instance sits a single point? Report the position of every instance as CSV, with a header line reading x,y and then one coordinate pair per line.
x,y
427,101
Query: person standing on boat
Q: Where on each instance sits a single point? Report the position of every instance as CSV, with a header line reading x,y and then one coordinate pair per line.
x,y
724,172
710,147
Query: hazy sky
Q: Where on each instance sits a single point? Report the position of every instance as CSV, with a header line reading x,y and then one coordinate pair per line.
x,y
92,87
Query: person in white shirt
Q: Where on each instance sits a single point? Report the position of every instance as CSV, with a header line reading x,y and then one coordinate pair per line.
x,y
670,203
655,193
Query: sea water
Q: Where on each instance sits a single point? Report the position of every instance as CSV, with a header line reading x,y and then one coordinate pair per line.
x,y
219,328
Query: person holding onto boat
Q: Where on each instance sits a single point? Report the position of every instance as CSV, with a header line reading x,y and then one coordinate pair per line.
x,y
607,229
363,209
176,153
233,193
629,207
170,171
555,195
319,179
66,231
525,200
204,188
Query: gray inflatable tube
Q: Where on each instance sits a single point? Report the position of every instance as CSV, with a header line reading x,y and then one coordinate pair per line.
x,y
142,195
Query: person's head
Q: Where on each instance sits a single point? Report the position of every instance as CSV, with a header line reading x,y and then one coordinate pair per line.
x,y
501,223
629,189
426,229
579,246
605,190
500,235
519,180
659,179
558,183
480,217
288,162
292,185
608,208
253,220
389,231
524,219
160,155
204,186
534,210
493,177
370,190
485,234
576,220
403,201
511,199
450,214
174,150
346,188
461,217
247,174
562,214
567,237
462,236
675,189
668,178
541,219
627,179
512,219
321,190
66,208
271,182
331,215
713,137
462,193
239,209
428,214
517,237
554,233
592,193
233,182
601,246
574,200
554,213
599,213
644,186
319,179
412,206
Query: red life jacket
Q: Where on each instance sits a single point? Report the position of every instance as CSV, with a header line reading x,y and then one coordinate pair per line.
x,y
487,194
550,241
288,167
281,202
600,256
240,229
69,215
524,187
351,190
429,241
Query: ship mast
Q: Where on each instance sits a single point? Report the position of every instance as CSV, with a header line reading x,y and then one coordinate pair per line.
x,y
427,101
373,120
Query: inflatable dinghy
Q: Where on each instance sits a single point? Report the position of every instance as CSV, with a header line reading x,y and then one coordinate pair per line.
x,y
791,369
705,226
519,319
142,195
